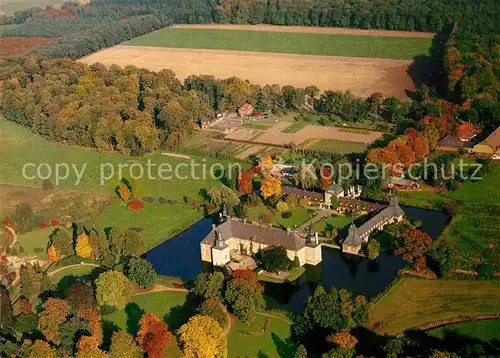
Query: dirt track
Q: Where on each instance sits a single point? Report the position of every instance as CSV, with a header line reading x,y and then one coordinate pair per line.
x,y
309,29
362,76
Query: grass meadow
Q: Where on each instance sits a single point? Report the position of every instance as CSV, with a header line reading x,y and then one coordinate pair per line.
x,y
480,192
412,302
20,146
285,42
474,237
156,222
337,146
484,330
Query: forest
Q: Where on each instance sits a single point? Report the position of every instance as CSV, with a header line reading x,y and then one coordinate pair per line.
x,y
137,111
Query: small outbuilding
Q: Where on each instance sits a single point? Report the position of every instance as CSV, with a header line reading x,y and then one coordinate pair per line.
x,y
246,110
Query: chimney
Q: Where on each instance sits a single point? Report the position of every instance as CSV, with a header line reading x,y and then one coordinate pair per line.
x,y
244,220
288,230
213,226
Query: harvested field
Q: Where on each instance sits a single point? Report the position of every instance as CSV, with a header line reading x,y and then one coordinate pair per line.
x,y
308,30
18,46
362,76
277,137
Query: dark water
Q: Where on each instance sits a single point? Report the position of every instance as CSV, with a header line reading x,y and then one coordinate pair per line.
x,y
354,273
180,256
433,222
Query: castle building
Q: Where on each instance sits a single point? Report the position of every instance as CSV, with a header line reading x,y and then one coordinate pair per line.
x,y
236,237
358,236
323,199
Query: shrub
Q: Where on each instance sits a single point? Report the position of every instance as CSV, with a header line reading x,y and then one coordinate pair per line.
x,y
163,200
274,259
215,309
149,199
286,215
485,271
141,271
135,205
47,184
282,207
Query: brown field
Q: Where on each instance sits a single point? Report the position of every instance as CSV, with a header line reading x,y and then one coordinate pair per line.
x,y
362,76
250,151
276,136
308,29
64,205
18,46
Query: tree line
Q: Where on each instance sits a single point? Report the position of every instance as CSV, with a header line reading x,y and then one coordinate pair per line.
x,y
137,111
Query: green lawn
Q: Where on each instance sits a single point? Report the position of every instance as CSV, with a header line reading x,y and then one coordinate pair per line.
x,y
156,222
275,342
473,236
160,221
31,148
481,192
36,239
413,302
284,42
299,215
295,127
485,330
159,303
72,271
168,306
337,146
338,222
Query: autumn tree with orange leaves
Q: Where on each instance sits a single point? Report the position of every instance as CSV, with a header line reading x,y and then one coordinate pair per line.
x,y
413,246
124,192
41,349
88,347
153,335
325,177
270,186
54,314
52,254
343,339
245,182
93,318
266,163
